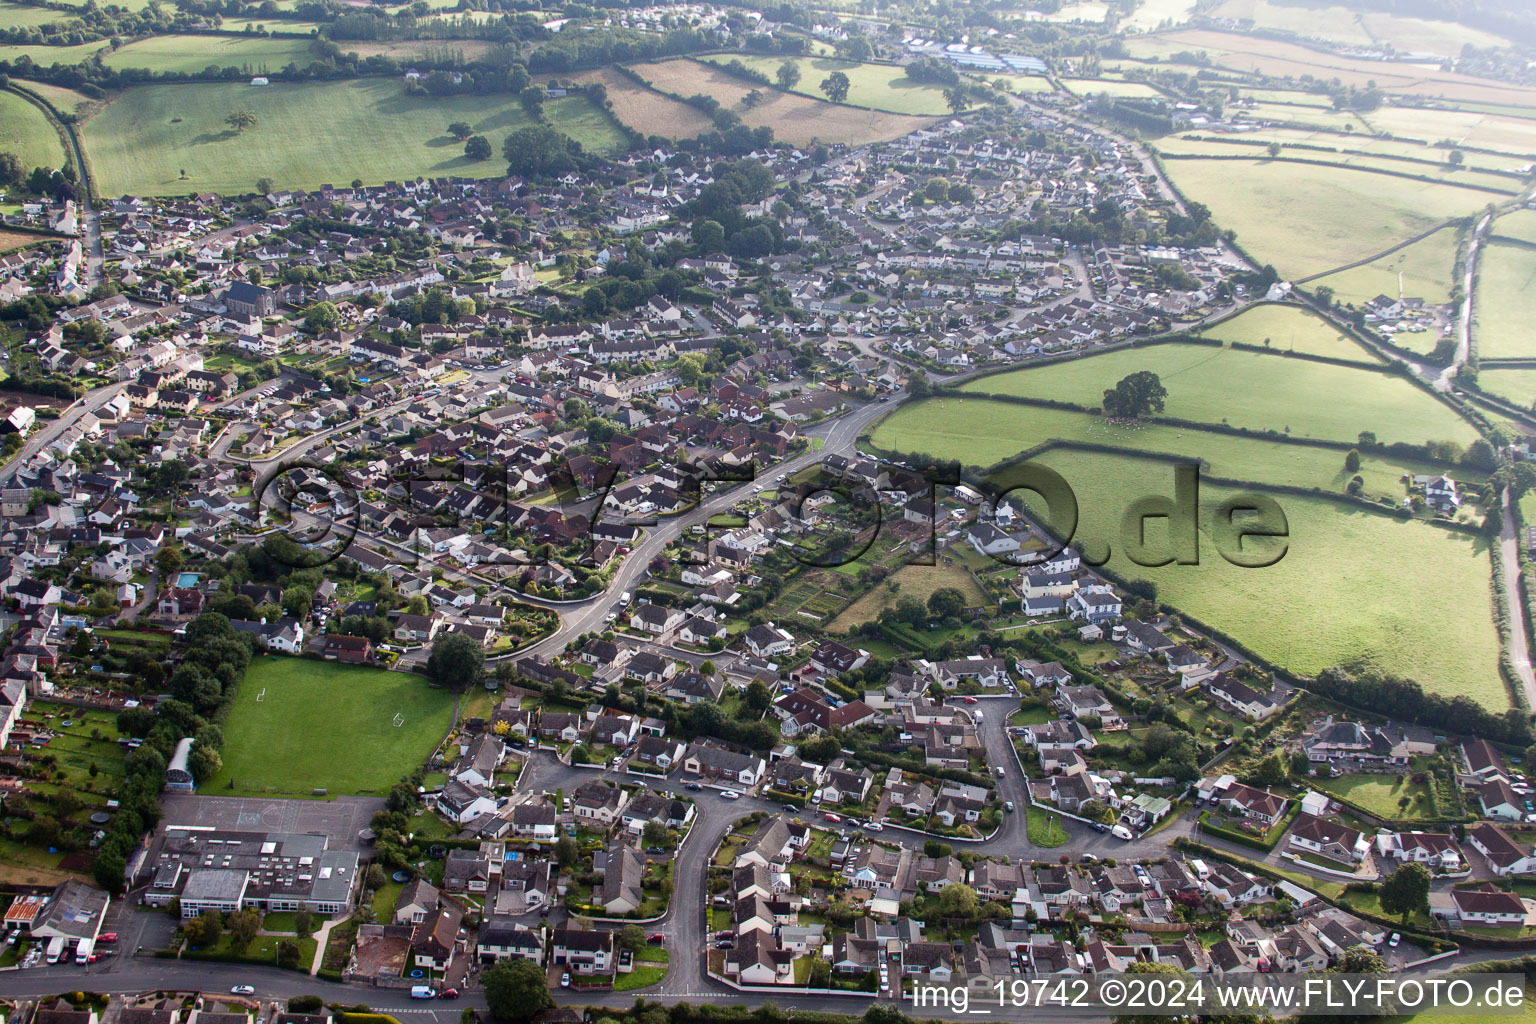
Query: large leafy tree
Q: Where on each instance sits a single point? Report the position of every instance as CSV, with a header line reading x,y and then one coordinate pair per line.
x,y
836,86
457,661
1406,891
515,991
1138,394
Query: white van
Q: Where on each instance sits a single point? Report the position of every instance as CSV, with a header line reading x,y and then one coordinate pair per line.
x,y
422,992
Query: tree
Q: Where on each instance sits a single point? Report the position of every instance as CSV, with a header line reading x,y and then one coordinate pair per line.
x,y
566,852
655,834
958,900
1137,395
478,148
322,316
1406,891
460,130
304,921
243,926
788,75
956,99
457,662
206,928
632,938
168,560
288,954
1274,149
753,99
515,991
539,151
1362,959
1352,461
1457,158
241,119
1324,295
836,86
946,602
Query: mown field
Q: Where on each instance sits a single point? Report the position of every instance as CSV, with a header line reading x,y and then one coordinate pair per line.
x,y
1340,592
306,135
1504,302
1257,390
1307,219
796,119
48,56
67,101
1425,269
647,111
1520,224
882,86
192,54
283,732
983,433
1290,329
22,16
1108,86
26,131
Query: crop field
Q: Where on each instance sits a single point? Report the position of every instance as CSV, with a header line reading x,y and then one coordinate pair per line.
x,y
1520,224
798,120
306,135
1505,302
1154,14
21,16
1286,328
1424,269
881,86
282,734
912,581
1307,219
981,432
26,131
646,111
191,54
1112,87
1333,24
1299,112
411,49
1256,390
1340,583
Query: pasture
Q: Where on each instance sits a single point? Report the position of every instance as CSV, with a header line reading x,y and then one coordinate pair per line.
x,y
66,101
647,111
1284,328
1504,302
1390,157
798,120
47,56
982,432
22,16
1341,583
881,86
1307,220
1256,390
253,55
1109,87
917,581
1513,135
26,131
306,135
1518,224
1425,269
298,725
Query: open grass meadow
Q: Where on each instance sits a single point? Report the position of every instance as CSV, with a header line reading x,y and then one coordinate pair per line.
x,y
253,55
299,725
1285,328
1505,302
1518,224
882,86
47,56
1425,269
1390,158
1257,390
1516,384
1109,87
798,120
26,131
23,16
1380,794
66,101
1340,592
1307,219
990,432
306,135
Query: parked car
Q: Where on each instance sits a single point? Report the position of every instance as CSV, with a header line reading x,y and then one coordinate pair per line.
x,y
730,794
873,826
565,980
1395,939
694,787
1009,805
829,816
448,993
655,938
969,700
242,990
792,809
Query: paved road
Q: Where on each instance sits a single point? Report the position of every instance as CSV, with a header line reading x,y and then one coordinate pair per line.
x,y
47,434
1442,381
1509,565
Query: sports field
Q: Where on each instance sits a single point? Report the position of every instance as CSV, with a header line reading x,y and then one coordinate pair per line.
x,y
1424,269
192,54
26,131
1339,593
984,433
1307,219
881,86
1290,329
306,135
1505,302
1257,390
299,725
798,120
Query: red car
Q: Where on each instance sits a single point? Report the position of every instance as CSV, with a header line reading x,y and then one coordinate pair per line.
x,y
969,700
107,937
448,993
655,938
831,817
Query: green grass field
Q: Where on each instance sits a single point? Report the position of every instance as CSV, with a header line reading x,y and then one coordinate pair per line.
x,y
1307,220
47,56
1290,329
306,135
67,101
26,131
1257,390
1519,224
1109,86
990,432
327,726
881,86
1517,385
1342,585
22,16
1505,302
1423,269
191,54
1380,794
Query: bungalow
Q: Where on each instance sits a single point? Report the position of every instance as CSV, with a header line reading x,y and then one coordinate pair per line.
x,y
1505,856
598,801
769,641
1329,839
1490,906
